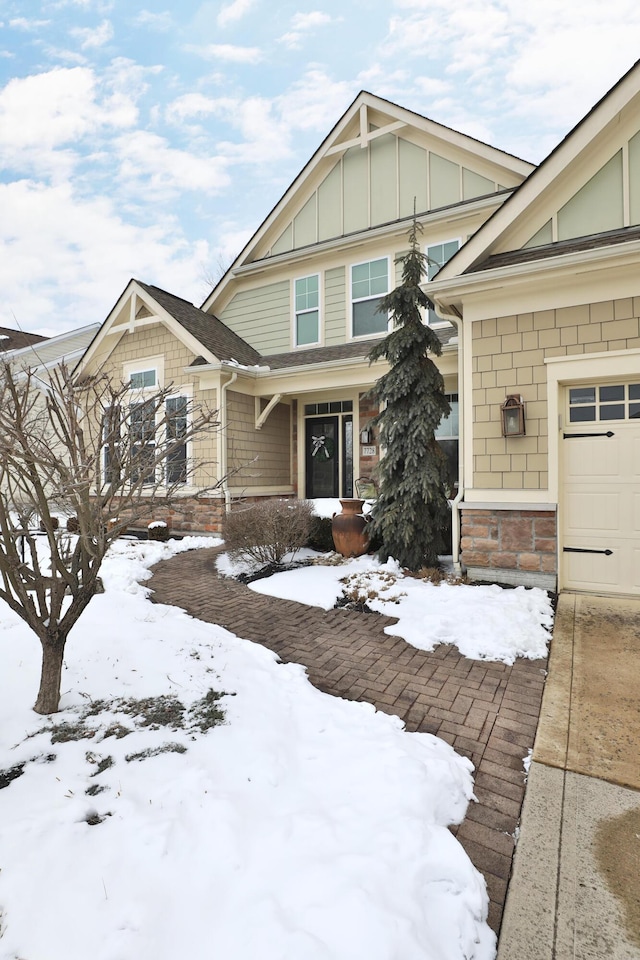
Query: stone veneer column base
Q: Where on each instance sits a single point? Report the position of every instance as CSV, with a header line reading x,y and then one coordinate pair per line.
x,y
504,544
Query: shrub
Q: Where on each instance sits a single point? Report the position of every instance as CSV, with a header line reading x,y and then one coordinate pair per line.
x,y
266,531
321,538
158,530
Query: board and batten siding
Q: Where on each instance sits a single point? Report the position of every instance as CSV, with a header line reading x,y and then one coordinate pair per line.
x,y
335,305
261,457
156,340
262,316
508,358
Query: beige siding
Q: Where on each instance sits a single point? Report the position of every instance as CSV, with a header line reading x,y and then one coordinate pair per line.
x,y
261,457
335,305
508,357
154,341
262,317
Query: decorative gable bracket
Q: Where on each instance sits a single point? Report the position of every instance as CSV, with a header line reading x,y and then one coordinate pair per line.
x,y
261,418
366,135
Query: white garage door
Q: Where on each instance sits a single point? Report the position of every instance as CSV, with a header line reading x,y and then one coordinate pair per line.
x,y
600,547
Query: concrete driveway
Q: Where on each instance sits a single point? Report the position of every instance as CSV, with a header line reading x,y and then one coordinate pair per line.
x,y
575,889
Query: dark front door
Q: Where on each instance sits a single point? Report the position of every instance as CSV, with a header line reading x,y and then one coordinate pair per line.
x,y
321,453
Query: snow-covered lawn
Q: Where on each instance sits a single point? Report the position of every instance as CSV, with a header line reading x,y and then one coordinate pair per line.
x,y
484,622
302,827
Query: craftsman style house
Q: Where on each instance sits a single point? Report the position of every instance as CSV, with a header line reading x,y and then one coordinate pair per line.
x,y
535,279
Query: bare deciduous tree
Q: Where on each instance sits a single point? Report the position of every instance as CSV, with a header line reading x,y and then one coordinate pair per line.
x,y
95,450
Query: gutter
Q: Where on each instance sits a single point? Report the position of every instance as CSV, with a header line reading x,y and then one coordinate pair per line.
x,y
223,432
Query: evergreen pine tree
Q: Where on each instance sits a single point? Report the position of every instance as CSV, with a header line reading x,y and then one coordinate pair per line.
x,y
412,509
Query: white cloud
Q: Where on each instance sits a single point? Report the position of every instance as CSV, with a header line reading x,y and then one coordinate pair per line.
x,y
162,22
228,52
150,166
70,270
235,11
46,117
92,38
301,26
189,105
22,23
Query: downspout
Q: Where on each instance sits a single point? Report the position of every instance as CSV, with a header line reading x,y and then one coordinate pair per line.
x,y
223,433
455,318
459,497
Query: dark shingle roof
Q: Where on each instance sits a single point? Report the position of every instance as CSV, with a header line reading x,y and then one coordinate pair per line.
x,y
16,339
356,350
549,250
212,333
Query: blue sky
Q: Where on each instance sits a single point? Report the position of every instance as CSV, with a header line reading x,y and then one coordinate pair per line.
x,y
151,140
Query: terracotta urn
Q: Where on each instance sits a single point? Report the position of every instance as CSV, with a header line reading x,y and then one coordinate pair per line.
x,y
350,529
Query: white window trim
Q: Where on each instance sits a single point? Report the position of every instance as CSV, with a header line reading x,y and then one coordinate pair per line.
x,y
188,393
366,336
438,243
295,313
141,366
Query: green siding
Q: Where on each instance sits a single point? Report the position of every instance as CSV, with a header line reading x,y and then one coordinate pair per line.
x,y
384,180
634,179
413,178
474,185
356,189
544,235
597,206
335,305
304,225
262,317
284,241
445,181
330,205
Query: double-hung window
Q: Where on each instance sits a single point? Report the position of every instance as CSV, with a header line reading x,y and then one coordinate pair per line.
x,y
176,429
307,310
142,440
369,284
438,254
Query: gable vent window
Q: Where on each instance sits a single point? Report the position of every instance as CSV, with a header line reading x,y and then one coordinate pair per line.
x,y
142,379
369,284
307,310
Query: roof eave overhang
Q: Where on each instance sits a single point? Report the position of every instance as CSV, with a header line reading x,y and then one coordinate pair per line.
x,y
452,292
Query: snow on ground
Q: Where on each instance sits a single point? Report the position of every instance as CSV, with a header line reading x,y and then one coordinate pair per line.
x,y
304,827
484,622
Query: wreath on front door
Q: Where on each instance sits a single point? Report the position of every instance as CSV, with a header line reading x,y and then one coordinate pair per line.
x,y
322,448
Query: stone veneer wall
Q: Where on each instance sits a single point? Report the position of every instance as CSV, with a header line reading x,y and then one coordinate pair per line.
x,y
510,546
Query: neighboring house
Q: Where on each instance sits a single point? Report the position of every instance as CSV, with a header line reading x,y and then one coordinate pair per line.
x,y
41,354
16,339
539,268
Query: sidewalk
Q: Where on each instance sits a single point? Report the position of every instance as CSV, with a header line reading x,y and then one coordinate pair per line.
x,y
575,889
487,711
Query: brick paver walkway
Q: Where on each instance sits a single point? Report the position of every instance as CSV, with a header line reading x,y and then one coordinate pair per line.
x,y
487,711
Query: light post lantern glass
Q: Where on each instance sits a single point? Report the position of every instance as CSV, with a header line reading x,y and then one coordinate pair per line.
x,y
512,414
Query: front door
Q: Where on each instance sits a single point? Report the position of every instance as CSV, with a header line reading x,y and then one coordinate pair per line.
x,y
322,457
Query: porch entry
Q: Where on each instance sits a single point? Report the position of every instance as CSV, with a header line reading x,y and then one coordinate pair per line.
x,y
329,450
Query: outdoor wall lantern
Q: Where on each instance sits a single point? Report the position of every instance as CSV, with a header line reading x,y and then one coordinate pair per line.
x,y
512,413
366,436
